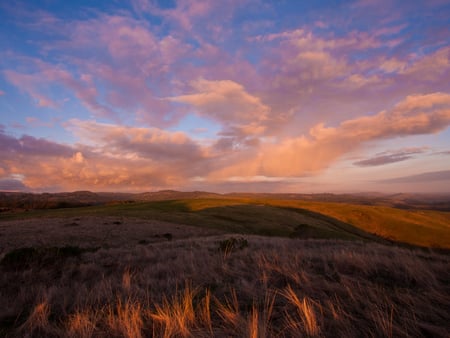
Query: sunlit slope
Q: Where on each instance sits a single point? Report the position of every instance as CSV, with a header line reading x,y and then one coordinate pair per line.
x,y
418,227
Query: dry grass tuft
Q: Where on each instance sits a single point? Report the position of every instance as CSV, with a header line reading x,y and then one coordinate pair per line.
x,y
81,324
305,311
126,319
175,317
38,320
229,311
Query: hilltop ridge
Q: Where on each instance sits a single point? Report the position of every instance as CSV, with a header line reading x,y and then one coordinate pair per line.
x,y
22,200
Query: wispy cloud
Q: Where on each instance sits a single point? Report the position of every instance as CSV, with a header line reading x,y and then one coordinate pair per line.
x,y
390,157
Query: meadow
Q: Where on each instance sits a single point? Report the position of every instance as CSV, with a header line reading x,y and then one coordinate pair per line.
x,y
225,267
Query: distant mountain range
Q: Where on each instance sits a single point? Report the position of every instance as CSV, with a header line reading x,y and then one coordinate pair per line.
x,y
20,200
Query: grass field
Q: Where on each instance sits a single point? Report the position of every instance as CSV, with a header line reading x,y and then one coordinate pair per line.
x,y
232,267
282,218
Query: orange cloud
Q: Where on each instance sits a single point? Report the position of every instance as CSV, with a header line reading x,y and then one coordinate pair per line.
x,y
306,155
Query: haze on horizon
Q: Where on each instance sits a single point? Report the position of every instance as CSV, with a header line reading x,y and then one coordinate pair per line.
x,y
252,95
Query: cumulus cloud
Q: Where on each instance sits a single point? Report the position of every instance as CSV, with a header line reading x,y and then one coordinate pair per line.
x,y
48,165
303,155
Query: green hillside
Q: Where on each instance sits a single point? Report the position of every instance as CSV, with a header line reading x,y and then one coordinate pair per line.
x,y
304,219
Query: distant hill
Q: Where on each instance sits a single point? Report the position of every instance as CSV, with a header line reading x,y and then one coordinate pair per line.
x,y
165,195
18,200
24,201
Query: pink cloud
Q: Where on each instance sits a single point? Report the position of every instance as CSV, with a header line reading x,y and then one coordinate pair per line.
x,y
46,75
130,65
430,67
2,93
29,83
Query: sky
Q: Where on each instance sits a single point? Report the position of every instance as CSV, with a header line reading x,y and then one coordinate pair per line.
x,y
225,96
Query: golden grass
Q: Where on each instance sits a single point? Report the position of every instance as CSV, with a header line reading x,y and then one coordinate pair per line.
x,y
418,227
176,317
38,318
305,311
125,319
81,324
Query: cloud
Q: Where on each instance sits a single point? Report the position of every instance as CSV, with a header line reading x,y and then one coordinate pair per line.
x,y
417,114
191,16
10,184
305,155
132,166
431,176
117,157
430,66
289,102
28,83
229,103
122,70
45,75
28,145
2,93
131,142
390,157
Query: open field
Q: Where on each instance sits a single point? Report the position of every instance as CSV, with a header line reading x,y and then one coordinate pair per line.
x,y
263,216
221,267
